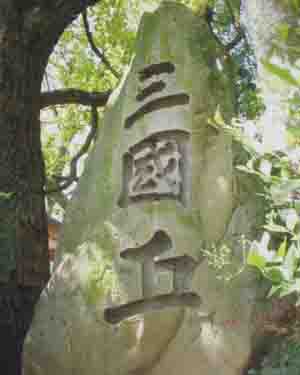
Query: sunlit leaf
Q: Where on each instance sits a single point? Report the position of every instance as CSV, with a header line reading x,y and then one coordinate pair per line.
x,y
280,72
276,228
281,192
274,274
290,217
282,249
290,262
294,131
265,167
283,31
256,260
290,288
218,118
274,289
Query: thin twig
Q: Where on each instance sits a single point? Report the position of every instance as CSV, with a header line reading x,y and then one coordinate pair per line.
x,y
234,42
237,25
74,162
239,31
95,49
215,36
53,109
73,96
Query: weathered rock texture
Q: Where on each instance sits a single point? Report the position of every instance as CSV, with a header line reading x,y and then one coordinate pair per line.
x,y
131,289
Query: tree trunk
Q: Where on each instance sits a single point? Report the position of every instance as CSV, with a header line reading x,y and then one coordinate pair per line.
x,y
23,229
16,311
29,31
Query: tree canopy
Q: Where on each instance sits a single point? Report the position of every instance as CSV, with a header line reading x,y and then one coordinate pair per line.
x,y
93,54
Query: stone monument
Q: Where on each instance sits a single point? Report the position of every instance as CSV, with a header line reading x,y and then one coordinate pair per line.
x,y
132,292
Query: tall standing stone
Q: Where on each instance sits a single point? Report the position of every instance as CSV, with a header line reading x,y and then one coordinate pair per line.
x,y
132,292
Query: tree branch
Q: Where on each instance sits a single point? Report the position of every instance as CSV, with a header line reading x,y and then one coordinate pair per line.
x,y
44,23
59,198
68,180
239,31
74,96
213,33
235,41
94,48
237,25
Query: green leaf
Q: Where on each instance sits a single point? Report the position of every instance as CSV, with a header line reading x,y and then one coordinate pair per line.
x,y
290,217
274,274
282,73
276,228
296,4
261,248
281,192
282,249
290,262
265,167
294,131
256,260
286,272
290,288
283,31
242,168
296,237
218,118
275,289
297,206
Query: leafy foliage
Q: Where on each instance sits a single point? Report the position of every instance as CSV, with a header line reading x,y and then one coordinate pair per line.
x,y
283,360
277,254
227,27
73,64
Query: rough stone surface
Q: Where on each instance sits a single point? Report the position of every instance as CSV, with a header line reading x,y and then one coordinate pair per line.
x,y
160,184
